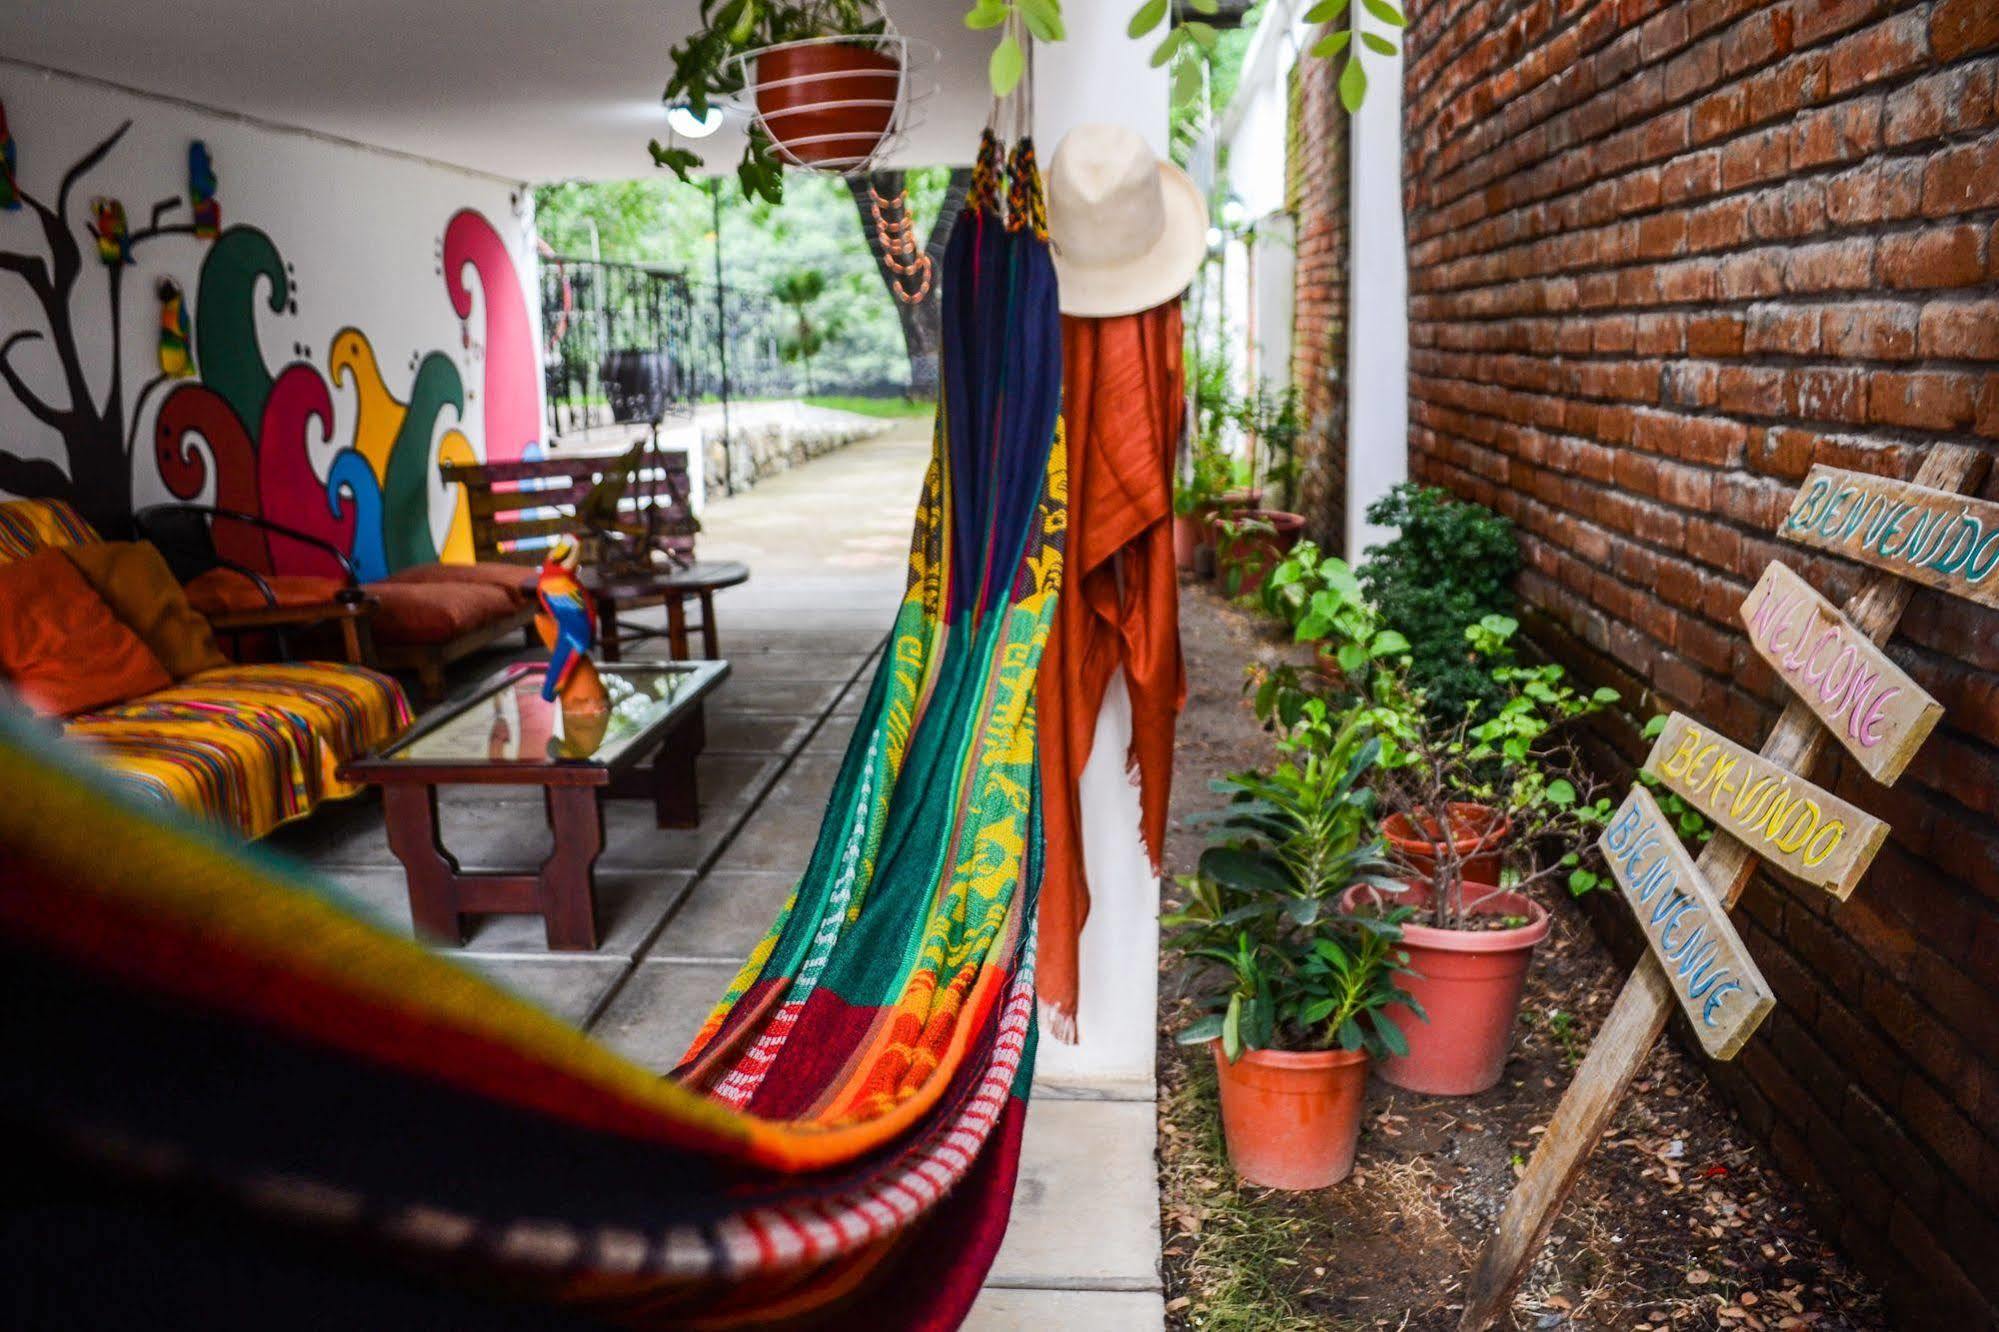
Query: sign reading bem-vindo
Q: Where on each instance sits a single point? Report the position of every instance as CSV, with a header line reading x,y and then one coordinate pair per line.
x,y
1711,973
1845,688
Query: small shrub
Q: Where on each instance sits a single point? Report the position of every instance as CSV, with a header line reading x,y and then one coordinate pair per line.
x,y
1449,566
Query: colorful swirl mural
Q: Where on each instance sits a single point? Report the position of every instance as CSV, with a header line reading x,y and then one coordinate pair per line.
x,y
258,436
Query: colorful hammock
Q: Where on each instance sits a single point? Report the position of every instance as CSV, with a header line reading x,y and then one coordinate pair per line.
x,y
239,1104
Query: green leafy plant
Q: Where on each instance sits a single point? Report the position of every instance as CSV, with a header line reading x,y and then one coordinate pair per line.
x,y
800,292
1274,424
705,68
1041,18
1450,564
1292,970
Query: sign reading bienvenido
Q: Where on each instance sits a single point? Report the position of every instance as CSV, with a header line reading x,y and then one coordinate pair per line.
x,y
1930,536
1788,821
1687,927
1867,702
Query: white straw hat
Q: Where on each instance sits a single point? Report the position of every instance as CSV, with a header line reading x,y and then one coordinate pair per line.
x,y
1129,230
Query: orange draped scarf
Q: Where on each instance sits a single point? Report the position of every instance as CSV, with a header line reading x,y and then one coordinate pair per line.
x,y
1123,391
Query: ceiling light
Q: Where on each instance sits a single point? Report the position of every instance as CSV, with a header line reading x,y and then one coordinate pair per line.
x,y
682,120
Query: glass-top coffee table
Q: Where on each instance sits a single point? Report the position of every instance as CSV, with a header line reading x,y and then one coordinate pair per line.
x,y
502,734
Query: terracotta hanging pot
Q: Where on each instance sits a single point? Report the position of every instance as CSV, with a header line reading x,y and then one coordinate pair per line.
x,y
827,102
1469,982
1292,1117
1254,553
1480,848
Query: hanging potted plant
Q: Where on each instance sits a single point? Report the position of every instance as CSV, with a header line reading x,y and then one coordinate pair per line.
x,y
1481,811
824,78
1300,995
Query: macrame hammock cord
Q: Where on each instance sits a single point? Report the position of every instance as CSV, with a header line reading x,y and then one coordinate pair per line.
x,y
249,1106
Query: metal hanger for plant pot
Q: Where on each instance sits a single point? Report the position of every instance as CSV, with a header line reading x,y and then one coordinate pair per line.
x,y
787,109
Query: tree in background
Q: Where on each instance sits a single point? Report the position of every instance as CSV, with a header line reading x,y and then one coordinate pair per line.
x,y
799,292
923,319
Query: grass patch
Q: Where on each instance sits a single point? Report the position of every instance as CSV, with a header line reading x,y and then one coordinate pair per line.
x,y
889,409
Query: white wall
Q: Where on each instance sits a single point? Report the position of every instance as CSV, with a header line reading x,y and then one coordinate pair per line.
x,y
1378,306
361,233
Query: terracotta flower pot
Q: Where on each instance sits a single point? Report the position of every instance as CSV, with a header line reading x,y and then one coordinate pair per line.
x,y
1254,553
1469,982
1292,1118
1480,849
827,101
1190,534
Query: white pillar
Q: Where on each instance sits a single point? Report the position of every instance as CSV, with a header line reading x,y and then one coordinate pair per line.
x,y
1377,305
1098,75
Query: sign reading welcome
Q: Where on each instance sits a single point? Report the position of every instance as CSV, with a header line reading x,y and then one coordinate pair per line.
x,y
1686,925
1933,537
1867,702
1788,821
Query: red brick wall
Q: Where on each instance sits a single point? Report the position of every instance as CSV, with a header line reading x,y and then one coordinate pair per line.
x,y
1665,256
1318,171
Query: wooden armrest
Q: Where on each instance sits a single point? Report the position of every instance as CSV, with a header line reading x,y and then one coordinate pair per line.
x,y
272,617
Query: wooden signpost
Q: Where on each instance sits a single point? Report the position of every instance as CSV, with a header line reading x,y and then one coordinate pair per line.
x,y
1936,537
1686,926
1865,700
1638,1018
1783,818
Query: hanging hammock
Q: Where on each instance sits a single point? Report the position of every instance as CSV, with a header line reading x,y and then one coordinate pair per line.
x,y
238,1104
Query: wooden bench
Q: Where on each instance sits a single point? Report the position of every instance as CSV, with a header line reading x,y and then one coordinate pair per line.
x,y
518,507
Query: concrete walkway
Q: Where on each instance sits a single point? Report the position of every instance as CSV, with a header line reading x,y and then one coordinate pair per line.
x,y
826,543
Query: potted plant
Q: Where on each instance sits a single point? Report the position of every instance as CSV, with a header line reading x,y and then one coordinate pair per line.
x,y
1195,498
1252,538
819,99
1480,811
1301,994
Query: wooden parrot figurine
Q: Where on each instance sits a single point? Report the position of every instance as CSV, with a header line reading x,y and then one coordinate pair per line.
x,y
175,359
201,191
568,624
10,193
114,238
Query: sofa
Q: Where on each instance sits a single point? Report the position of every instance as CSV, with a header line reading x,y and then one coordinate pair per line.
x,y
99,638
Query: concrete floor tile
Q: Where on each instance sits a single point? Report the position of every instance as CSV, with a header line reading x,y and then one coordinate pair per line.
x,y
660,1008
755,733
569,987
724,917
789,698
1086,1206
832,737
786,825
629,907
999,1309
776,670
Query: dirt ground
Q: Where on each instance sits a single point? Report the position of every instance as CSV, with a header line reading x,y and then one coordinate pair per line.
x,y
1679,1222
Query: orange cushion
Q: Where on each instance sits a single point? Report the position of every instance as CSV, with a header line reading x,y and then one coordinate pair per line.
x,y
220,591
62,645
434,612
133,578
516,580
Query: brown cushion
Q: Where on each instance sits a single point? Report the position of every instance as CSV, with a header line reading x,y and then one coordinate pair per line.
x,y
61,644
429,613
134,580
516,580
221,591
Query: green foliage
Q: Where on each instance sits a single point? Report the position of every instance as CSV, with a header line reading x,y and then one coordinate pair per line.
x,y
1274,423
1450,564
1294,971
705,68
889,409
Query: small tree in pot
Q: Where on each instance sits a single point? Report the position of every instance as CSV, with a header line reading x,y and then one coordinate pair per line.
x,y
1302,992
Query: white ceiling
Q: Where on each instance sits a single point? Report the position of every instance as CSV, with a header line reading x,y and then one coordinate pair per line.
x,y
533,90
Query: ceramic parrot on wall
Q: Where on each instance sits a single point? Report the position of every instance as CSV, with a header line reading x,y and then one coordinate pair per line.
x,y
175,358
568,624
201,192
114,238
10,193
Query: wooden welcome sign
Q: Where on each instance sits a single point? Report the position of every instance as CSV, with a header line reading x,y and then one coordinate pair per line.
x,y
1796,826
1686,926
1842,685
1935,537
1867,702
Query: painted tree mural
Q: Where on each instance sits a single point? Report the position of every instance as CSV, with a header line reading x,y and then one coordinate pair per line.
x,y
95,429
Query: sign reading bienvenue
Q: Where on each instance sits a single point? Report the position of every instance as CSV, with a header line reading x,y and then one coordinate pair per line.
x,y
1796,826
1936,538
1867,702
1686,925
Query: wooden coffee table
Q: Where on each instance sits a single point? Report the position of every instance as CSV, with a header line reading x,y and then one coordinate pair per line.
x,y
502,734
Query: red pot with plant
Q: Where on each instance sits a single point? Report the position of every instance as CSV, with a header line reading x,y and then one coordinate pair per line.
x,y
1291,1118
1478,841
1249,543
1190,537
827,101
1467,980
